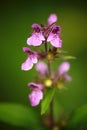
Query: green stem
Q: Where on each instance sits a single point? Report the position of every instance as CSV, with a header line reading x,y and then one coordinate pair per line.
x,y
49,69
49,66
46,47
51,104
49,75
52,115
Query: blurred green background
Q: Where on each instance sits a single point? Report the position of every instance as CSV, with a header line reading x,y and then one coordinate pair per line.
x,y
16,18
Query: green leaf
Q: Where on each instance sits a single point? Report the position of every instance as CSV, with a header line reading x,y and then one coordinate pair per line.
x,y
18,115
47,100
78,118
68,57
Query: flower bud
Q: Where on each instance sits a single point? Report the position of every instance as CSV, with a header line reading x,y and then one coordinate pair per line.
x,y
50,56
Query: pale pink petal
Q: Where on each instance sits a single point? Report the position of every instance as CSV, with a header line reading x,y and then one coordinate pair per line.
x,y
35,96
27,65
41,67
35,39
63,68
50,37
40,36
29,41
56,42
67,77
52,19
34,59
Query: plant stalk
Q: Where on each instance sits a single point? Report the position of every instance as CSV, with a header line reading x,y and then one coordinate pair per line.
x,y
49,75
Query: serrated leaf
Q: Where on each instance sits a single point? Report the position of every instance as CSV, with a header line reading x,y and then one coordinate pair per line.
x,y
47,100
18,115
78,118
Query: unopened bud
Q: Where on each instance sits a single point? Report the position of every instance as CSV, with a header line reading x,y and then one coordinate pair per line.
x,y
50,56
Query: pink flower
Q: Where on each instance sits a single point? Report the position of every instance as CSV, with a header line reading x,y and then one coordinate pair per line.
x,y
52,19
62,76
37,37
67,77
62,71
41,67
31,59
36,95
63,68
54,37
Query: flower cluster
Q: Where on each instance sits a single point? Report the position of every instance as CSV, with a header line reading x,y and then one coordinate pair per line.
x,y
50,33
38,88
42,35
48,36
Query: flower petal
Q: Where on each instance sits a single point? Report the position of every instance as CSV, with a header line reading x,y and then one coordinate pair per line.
x,y
50,37
54,40
63,68
27,50
27,65
35,39
67,77
40,36
35,96
41,67
34,58
35,85
52,19
36,27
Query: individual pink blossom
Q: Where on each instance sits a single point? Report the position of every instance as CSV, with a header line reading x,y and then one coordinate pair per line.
x,y
41,67
31,59
37,37
62,71
63,68
62,75
35,97
52,19
54,37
